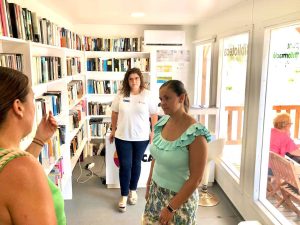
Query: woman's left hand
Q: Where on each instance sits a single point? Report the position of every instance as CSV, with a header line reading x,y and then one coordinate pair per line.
x,y
165,216
46,128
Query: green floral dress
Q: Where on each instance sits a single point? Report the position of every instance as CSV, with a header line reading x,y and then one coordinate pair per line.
x,y
159,197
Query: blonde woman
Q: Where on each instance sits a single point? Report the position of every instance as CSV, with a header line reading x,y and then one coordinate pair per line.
x,y
281,142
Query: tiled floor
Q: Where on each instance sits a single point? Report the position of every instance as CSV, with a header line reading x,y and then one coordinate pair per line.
x,y
94,204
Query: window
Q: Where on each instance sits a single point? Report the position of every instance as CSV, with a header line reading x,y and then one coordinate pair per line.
x,y
281,96
202,79
233,56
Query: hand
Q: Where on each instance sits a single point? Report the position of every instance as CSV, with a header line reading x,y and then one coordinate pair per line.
x,y
151,136
165,216
111,137
46,128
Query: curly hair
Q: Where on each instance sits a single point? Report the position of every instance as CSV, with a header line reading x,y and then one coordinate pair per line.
x,y
125,89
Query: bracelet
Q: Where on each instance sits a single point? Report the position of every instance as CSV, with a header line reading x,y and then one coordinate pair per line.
x,y
38,140
37,143
171,210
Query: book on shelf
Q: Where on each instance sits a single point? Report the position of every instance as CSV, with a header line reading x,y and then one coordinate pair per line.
x,y
113,44
98,87
98,108
14,61
73,65
50,101
46,68
56,101
75,90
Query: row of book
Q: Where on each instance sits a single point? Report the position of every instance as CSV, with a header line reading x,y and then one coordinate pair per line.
x,y
76,141
73,66
14,61
57,173
75,116
98,128
46,68
75,91
50,101
25,24
51,150
97,108
113,44
117,64
18,22
103,86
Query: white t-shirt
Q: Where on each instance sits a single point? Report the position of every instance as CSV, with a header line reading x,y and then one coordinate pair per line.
x,y
133,115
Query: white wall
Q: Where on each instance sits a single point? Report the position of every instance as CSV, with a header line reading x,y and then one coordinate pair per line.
x,y
253,15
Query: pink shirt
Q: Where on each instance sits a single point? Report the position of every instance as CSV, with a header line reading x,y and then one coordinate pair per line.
x,y
281,143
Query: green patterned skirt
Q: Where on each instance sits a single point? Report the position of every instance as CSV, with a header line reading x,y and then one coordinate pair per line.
x,y
159,198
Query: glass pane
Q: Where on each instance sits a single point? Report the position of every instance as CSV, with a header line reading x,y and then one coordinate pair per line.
x,y
282,111
233,64
202,79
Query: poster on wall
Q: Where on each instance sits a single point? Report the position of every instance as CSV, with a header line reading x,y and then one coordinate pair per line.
x,y
171,64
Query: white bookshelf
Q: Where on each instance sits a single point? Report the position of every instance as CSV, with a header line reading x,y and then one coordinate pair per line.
x,y
108,76
75,158
29,50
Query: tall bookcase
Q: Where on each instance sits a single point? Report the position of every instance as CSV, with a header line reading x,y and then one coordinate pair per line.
x,y
73,73
31,52
61,80
104,73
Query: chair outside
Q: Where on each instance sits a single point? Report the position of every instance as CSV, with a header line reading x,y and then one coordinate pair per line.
x,y
287,180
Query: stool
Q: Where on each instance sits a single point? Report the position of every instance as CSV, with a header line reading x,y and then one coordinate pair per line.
x,y
214,149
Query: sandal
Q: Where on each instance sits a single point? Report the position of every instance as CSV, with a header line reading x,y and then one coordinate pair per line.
x,y
122,204
132,198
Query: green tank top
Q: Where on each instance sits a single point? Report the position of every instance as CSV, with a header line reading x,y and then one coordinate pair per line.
x,y
7,155
171,168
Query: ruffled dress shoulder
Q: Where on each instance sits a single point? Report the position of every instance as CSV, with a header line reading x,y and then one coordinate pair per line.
x,y
184,140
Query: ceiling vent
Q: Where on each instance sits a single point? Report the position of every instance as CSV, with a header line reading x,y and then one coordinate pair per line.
x,y
164,37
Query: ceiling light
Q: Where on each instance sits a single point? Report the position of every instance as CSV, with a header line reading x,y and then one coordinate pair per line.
x,y
137,14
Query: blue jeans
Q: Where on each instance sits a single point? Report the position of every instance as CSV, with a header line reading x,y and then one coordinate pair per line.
x,y
130,155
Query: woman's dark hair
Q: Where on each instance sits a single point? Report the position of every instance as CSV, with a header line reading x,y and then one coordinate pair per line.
x,y
178,87
13,85
125,89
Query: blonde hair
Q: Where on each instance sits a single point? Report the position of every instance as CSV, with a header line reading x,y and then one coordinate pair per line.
x,y
282,120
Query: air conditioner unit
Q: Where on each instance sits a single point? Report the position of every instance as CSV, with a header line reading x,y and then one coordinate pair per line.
x,y
164,37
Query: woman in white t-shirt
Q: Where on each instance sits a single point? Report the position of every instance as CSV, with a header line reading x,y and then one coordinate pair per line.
x,y
131,110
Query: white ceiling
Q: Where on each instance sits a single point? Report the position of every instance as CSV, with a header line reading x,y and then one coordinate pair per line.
x,y
157,12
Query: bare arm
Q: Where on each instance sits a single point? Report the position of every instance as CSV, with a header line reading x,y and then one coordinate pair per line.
x,y
154,118
197,162
45,130
114,119
149,179
27,198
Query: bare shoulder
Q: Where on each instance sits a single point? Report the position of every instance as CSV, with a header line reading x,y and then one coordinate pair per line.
x,y
190,120
22,172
